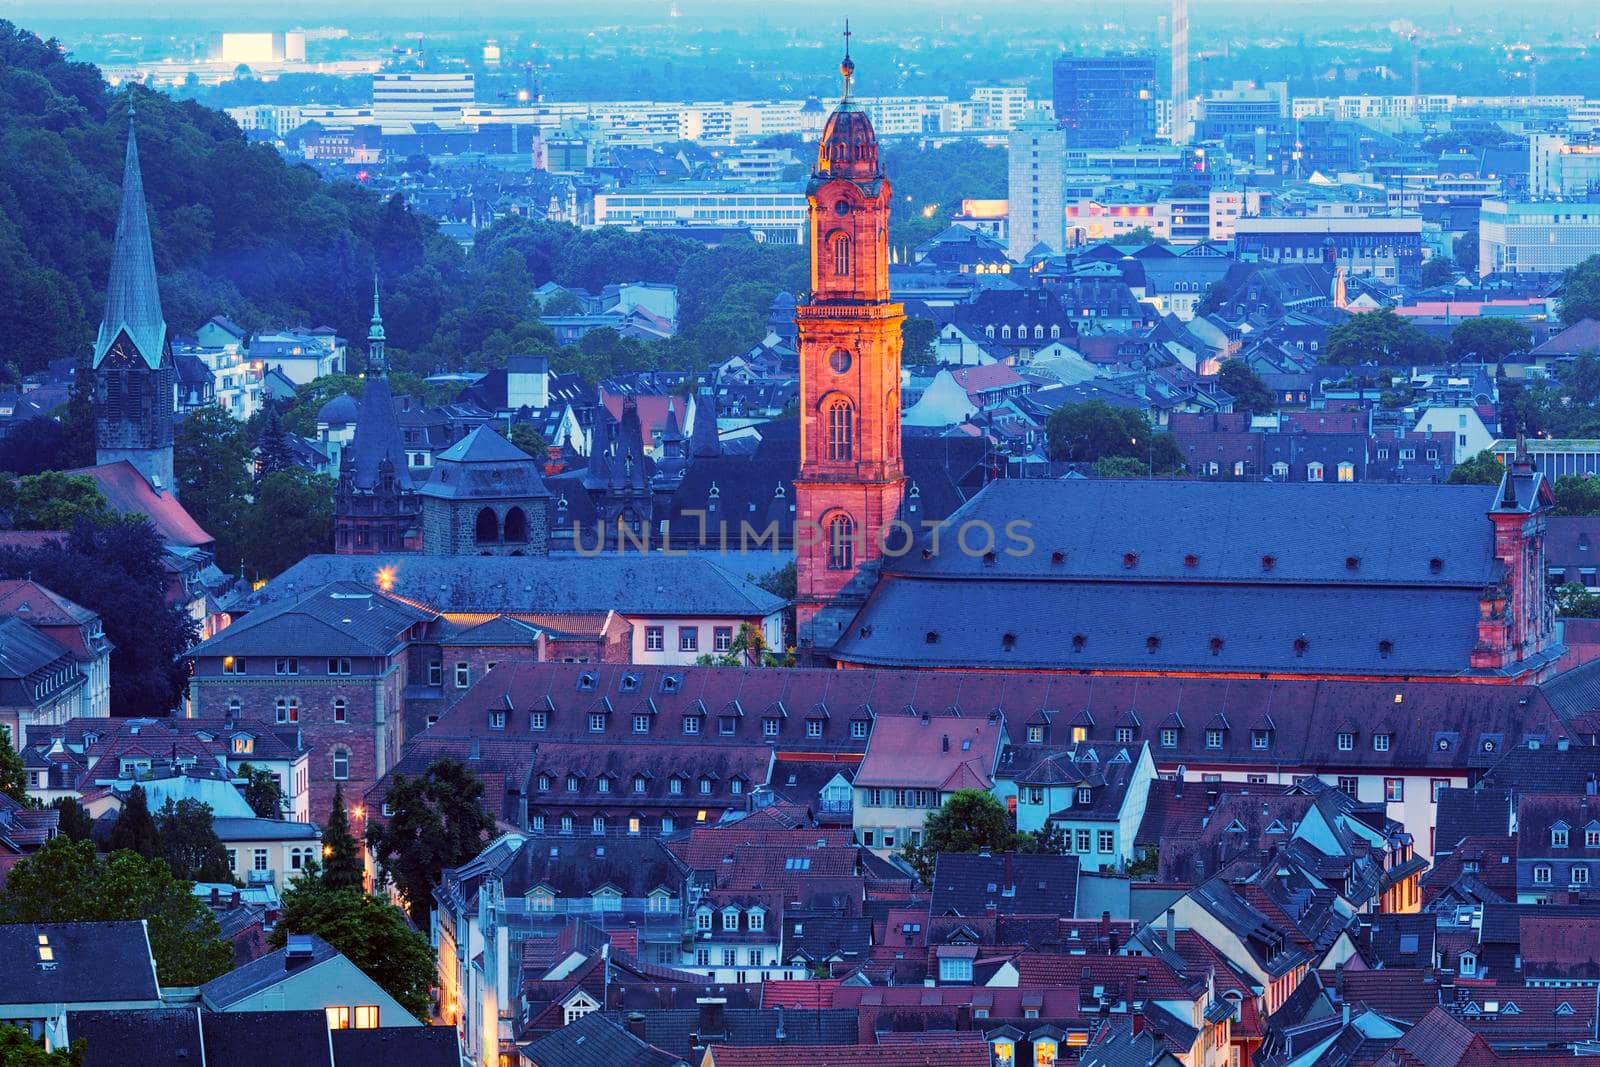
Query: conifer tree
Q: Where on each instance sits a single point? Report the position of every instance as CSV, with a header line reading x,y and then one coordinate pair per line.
x,y
135,829
342,868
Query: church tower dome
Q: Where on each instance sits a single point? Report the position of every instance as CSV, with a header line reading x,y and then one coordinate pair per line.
x,y
851,479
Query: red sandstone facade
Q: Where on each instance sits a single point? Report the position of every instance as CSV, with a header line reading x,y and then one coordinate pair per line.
x,y
851,480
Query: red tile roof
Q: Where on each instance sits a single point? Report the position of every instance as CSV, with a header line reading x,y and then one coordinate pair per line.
x,y
930,751
784,993
128,493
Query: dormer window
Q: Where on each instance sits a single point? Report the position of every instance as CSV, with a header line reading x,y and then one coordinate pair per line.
x,y
641,724
705,786
1558,836
1380,742
1035,735
572,783
730,918
1169,737
1085,795
497,720
1260,740
675,786
1345,741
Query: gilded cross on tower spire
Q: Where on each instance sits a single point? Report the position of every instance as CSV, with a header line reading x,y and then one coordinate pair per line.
x,y
847,66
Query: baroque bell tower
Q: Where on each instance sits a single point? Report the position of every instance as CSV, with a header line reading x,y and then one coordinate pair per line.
x,y
851,481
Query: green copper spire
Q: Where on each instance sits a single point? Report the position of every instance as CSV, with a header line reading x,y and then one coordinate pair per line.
x,y
377,363
133,300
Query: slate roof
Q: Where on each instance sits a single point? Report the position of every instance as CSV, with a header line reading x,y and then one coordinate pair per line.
x,y
1481,812
133,298
595,1039
675,1029
1192,575
630,584
262,973
245,1038
91,962
575,868
342,618
483,466
377,438
164,1037
397,1046
1013,884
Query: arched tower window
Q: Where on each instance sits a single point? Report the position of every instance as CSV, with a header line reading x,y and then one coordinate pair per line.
x,y
487,528
841,431
516,526
841,543
841,256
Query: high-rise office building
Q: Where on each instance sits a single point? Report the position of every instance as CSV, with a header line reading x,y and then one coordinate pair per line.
x,y
1036,187
1105,101
1180,72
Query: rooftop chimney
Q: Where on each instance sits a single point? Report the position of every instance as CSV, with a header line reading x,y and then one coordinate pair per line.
x,y
713,1019
1172,929
636,1024
297,953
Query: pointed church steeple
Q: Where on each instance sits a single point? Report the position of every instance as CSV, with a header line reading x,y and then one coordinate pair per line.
x,y
377,359
133,299
134,375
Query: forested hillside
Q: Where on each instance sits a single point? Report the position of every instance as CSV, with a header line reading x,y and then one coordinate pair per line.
x,y
239,231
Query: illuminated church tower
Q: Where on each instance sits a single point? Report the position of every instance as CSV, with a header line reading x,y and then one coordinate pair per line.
x,y
851,481
134,375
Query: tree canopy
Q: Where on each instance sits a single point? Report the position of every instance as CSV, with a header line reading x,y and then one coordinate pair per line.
x,y
341,854
189,842
1580,292
1482,469
66,882
1250,394
1380,337
1084,433
115,569
970,820
372,933
51,500
437,821
1489,339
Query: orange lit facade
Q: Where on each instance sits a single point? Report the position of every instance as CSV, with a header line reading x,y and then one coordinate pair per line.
x,y
851,479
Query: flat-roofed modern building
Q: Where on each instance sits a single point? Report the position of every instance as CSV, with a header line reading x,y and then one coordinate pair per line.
x,y
1537,237
777,214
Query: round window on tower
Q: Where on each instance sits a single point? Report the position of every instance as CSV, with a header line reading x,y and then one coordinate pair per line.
x,y
839,360
842,207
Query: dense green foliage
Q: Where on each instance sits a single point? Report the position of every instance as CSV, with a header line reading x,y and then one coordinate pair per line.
x,y
13,773
51,500
930,184
1577,494
1250,394
372,933
1380,337
262,792
240,231
189,842
438,821
1093,430
75,823
340,852
972,820
66,882
1489,339
135,828
1482,469
1567,404
115,569
1580,292
17,1049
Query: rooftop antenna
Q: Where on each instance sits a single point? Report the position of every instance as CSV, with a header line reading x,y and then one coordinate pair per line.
x,y
847,66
